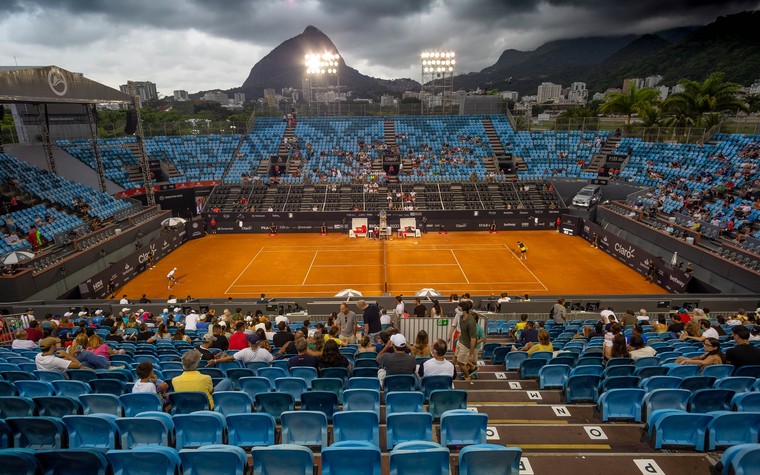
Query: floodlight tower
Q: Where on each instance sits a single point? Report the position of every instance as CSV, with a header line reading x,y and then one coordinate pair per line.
x,y
437,77
322,65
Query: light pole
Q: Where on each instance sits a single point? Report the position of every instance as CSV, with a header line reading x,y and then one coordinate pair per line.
x,y
437,75
323,64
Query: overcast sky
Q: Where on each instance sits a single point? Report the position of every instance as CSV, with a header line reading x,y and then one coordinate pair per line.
x,y
207,44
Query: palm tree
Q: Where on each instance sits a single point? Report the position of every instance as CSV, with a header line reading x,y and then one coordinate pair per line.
x,y
629,103
712,95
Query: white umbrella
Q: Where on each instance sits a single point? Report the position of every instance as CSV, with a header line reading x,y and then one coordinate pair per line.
x,y
171,222
427,292
348,293
674,261
16,257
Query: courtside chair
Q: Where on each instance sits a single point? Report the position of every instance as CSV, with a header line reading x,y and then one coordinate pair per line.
x,y
408,426
419,458
621,404
251,430
404,401
186,402
216,459
732,428
151,460
198,429
283,458
342,456
356,426
38,433
97,431
73,461
232,402
462,427
489,459
307,428
135,403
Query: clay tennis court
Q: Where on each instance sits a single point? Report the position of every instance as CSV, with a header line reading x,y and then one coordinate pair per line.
x,y
310,265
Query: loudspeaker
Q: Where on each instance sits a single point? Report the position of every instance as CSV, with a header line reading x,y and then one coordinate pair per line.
x,y
131,122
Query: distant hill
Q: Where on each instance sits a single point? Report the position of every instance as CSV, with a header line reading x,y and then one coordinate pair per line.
x,y
284,67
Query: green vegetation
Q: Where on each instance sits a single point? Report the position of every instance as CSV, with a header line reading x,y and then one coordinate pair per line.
x,y
628,103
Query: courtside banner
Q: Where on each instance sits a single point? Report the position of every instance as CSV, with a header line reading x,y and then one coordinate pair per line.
x,y
101,285
668,277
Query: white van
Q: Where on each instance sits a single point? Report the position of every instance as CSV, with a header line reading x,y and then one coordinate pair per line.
x,y
588,196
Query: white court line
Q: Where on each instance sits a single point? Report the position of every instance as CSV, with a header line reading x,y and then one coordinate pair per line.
x,y
243,271
404,283
310,266
526,267
460,266
387,265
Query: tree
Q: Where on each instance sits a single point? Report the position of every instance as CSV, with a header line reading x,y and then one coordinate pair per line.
x,y
712,95
629,103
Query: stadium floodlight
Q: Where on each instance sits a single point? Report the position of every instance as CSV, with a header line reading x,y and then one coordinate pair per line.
x,y
322,63
437,68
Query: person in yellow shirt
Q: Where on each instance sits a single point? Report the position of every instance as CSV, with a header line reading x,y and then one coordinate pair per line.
x,y
334,335
519,326
544,344
523,250
193,380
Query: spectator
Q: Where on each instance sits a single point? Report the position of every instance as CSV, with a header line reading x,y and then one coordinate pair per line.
x,y
559,312
22,342
393,358
638,348
51,359
191,321
193,380
544,343
438,365
303,358
332,358
149,383
238,339
660,326
467,341
161,334
707,331
180,335
283,336
371,319
347,322
676,326
421,347
251,354
203,348
529,334
711,356
618,349
143,334
366,346
419,309
34,333
742,354
221,341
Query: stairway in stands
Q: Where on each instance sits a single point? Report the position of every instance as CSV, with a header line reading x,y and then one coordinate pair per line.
x,y
389,136
491,163
600,157
282,153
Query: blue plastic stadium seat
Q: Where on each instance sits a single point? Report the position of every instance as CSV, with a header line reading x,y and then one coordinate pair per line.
x,y
307,428
19,462
304,372
71,388
649,371
275,403
553,376
419,458
351,457
253,385
582,388
217,459
660,382
512,359
37,433
148,429
135,403
97,431
364,383
708,400
732,428
16,406
741,459
684,371
619,370
399,382
746,402
334,385
33,389
429,384
619,382
101,404
621,404
718,371
198,429
356,426
692,383
669,427
283,458
408,426
442,400
251,430
404,401
489,459
153,460
361,400
293,386
272,373
530,367
750,370
186,402
232,402
462,427
73,461
738,384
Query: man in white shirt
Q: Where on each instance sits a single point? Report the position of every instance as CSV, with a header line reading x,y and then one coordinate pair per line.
x,y
248,355
281,318
642,317
50,360
399,311
124,300
21,342
191,321
707,332
438,365
606,314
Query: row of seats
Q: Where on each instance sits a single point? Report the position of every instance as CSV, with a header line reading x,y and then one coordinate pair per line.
x,y
406,458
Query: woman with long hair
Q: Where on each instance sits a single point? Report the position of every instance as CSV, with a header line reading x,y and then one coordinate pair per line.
x,y
263,342
712,355
421,347
619,348
435,310
366,346
332,358
179,335
161,334
544,343
79,349
132,322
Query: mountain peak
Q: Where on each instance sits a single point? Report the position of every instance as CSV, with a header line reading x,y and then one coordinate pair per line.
x,y
312,30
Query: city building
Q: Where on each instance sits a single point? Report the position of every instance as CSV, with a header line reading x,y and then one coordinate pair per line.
x,y
181,95
216,96
664,90
270,96
510,95
578,93
549,91
239,98
627,83
386,100
652,81
145,90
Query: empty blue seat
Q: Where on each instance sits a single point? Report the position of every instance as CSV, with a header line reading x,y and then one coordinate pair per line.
x,y
217,459
7,389
135,403
669,427
351,457
364,372
741,459
74,461
307,428
304,372
684,371
529,368
583,387
408,426
443,400
57,406
293,386
619,382
746,402
621,404
738,384
333,385
253,385
361,400
399,382
665,399
283,458
462,427
274,403
619,370
553,376
272,373
357,426
489,459
96,431
152,460
718,371
708,400
512,359
16,406
692,383
650,371
404,401
749,370
419,458
186,402
364,383
65,387
232,402
619,361
428,384
81,375
19,462
198,429
33,389
501,356
647,361
234,374
732,428
148,429
250,430
660,382
37,433
101,404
